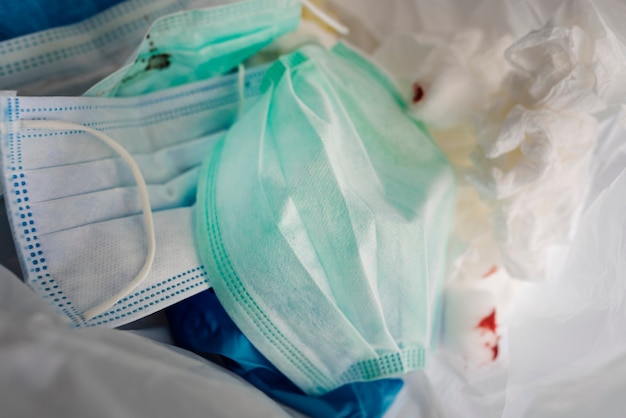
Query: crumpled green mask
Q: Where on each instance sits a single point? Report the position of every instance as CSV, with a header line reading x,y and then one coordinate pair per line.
x,y
323,219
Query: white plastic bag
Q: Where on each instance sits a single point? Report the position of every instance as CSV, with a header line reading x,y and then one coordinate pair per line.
x,y
567,345
48,369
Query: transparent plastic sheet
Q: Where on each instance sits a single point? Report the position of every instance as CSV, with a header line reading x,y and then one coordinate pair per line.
x,y
566,337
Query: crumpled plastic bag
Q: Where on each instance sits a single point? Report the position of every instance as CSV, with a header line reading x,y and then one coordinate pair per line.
x,y
572,326
527,103
49,369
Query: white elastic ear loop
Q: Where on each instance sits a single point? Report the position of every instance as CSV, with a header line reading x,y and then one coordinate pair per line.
x,y
59,125
323,16
241,78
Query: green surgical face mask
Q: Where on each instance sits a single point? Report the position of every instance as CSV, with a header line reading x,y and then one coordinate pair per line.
x,y
323,219
199,44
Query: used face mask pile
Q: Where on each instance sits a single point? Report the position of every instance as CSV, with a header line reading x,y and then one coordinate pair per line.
x,y
356,223
299,190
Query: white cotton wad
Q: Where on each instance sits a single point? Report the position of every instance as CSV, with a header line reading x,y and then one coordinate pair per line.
x,y
445,79
471,324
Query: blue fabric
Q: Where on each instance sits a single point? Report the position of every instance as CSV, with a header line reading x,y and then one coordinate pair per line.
x,y
21,17
200,324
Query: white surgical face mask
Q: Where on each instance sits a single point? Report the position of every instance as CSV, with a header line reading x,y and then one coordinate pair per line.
x,y
74,206
69,59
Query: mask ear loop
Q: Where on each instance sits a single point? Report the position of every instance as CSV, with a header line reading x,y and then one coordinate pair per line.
x,y
59,125
324,17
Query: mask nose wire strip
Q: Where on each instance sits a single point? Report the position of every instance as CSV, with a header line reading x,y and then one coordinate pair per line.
x,y
59,125
241,77
324,17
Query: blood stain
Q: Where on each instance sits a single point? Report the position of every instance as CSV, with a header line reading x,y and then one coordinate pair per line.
x,y
158,62
494,351
491,271
418,92
488,322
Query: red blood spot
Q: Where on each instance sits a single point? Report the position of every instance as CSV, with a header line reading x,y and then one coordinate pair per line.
x,y
418,92
491,271
489,322
494,351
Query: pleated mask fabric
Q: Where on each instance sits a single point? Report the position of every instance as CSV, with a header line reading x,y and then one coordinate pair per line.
x,y
74,208
323,218
198,44
68,60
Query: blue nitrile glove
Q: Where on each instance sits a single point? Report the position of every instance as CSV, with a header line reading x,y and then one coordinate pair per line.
x,y
22,17
200,324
